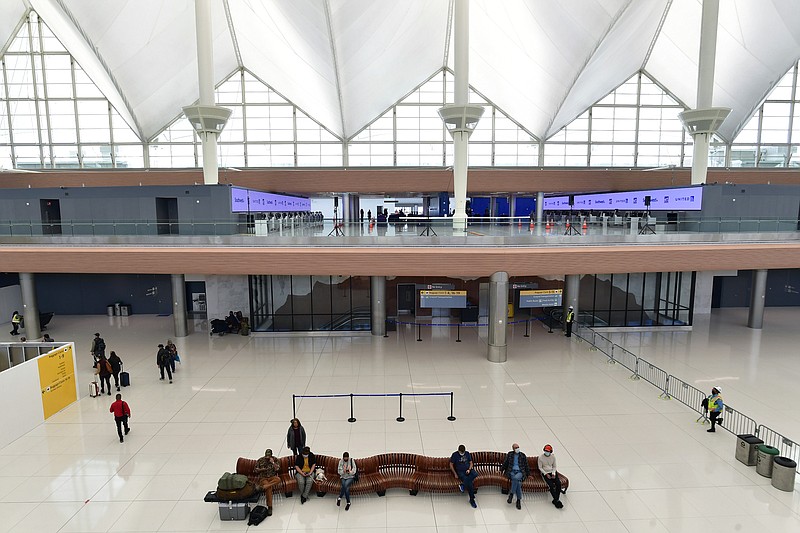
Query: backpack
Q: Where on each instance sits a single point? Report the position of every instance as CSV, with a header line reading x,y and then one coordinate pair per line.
x,y
101,344
237,494
257,515
230,481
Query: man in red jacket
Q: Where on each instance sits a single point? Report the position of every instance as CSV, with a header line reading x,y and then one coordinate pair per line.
x,y
121,412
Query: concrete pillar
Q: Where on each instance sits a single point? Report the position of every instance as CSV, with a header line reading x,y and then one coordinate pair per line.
x,y
179,305
498,317
758,293
512,205
572,288
539,213
492,206
30,307
377,295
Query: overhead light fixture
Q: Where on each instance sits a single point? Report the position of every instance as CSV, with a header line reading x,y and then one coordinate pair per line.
x,y
207,118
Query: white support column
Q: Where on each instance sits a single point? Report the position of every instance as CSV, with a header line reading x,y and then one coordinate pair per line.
x,y
498,317
461,118
704,120
539,212
206,118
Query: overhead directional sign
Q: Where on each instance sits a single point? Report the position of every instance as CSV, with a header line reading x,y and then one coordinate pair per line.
x,y
540,298
443,299
675,199
244,200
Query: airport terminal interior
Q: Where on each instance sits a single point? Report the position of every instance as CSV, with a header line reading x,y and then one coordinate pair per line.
x,y
636,463
410,197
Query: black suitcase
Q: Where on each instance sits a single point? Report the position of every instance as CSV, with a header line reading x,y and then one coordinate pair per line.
x,y
124,379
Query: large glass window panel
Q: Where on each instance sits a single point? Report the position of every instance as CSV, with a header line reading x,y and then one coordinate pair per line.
x,y
380,130
749,133
5,157
129,156
230,91
84,86
93,120
28,156
783,90
480,154
796,122
773,156
62,121
743,155
122,132
301,295
509,155
59,75
775,122
65,157
234,128
23,122
231,155
172,155
413,155
658,155
257,92
270,155
96,156
340,295
377,155
320,295
19,76
49,41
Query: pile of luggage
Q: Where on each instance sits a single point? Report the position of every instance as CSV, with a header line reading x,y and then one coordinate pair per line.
x,y
234,494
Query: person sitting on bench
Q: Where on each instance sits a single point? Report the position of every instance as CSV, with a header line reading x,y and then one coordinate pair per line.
x,y
547,466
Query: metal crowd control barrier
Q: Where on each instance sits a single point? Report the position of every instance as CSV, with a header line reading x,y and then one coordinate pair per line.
x,y
380,395
655,376
738,423
734,421
788,447
459,325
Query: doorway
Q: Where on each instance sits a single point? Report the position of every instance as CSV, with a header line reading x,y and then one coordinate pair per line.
x,y
51,217
406,298
167,216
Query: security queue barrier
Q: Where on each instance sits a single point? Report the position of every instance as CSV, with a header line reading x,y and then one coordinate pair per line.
x,y
353,395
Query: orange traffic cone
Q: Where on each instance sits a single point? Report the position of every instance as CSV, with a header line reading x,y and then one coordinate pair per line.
x,y
584,223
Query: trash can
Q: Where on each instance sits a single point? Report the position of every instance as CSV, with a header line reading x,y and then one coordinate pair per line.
x,y
746,449
783,471
117,310
764,459
125,310
110,310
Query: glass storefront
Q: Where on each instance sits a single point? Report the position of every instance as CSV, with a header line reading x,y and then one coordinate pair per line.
x,y
310,303
637,299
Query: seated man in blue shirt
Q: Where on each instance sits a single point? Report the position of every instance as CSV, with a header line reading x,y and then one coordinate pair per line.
x,y
461,465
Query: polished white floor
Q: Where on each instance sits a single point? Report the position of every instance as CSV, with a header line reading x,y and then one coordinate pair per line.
x,y
635,463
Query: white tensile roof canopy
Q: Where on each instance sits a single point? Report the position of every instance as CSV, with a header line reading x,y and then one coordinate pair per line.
x,y
344,62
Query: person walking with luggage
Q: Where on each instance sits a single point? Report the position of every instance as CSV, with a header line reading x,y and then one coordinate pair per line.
x,y
266,470
116,367
162,360
296,437
547,466
304,466
347,470
715,407
122,412
461,466
16,318
515,467
570,318
104,370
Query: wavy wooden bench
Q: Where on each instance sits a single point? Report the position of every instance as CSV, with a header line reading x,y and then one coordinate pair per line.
x,y
408,471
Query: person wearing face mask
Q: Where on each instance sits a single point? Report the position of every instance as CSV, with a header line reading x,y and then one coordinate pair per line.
x,y
547,466
461,466
304,466
515,467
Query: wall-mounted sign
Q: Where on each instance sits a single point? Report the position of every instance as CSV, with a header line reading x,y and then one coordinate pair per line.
x,y
443,299
244,201
682,199
57,380
540,298
524,285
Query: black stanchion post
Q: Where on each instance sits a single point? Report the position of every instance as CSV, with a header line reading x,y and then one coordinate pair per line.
x,y
527,327
458,328
550,324
400,418
451,417
294,407
419,332
386,329
352,418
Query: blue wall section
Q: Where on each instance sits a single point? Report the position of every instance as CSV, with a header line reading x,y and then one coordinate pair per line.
x,y
90,294
480,206
525,206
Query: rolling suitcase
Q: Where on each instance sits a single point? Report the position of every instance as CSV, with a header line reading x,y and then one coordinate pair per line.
x,y
94,390
124,379
233,510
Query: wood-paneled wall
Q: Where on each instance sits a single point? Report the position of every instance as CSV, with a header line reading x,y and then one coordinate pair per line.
x,y
396,261
414,181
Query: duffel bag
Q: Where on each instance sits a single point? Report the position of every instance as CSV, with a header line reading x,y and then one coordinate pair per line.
x,y
230,481
237,494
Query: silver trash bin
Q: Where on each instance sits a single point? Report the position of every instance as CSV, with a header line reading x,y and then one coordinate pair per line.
x,y
746,449
764,459
117,310
110,310
126,310
783,472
